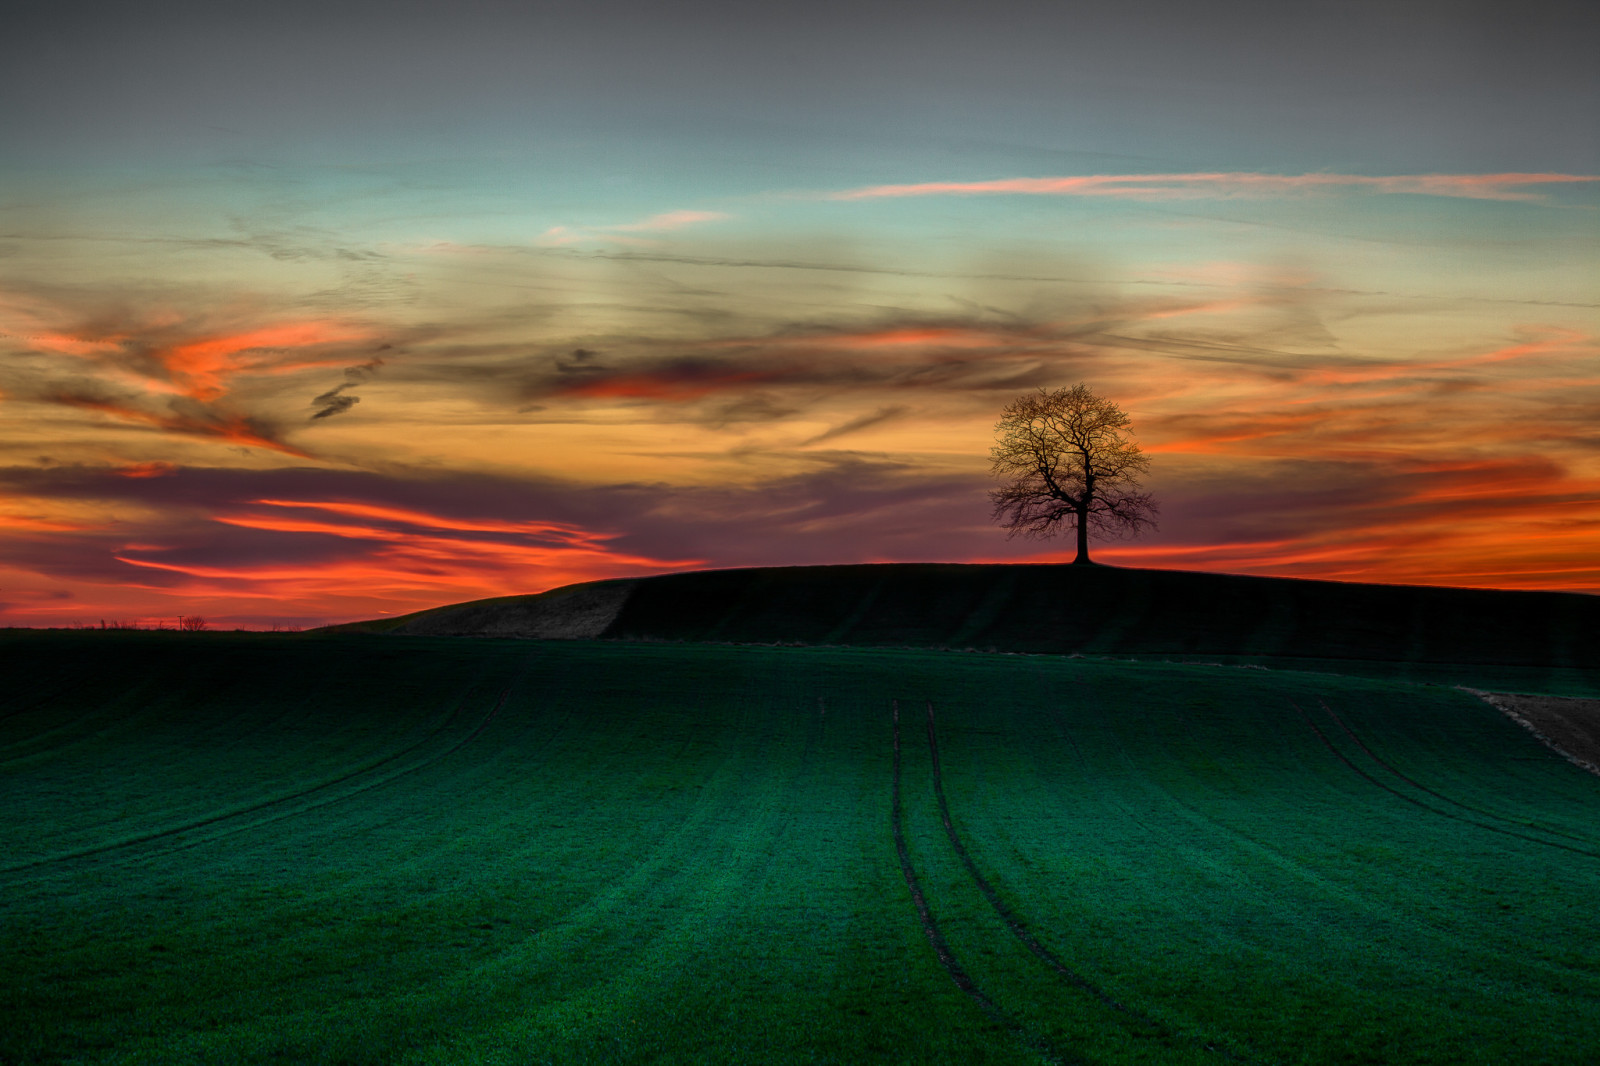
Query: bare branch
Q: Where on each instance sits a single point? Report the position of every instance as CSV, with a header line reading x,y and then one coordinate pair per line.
x,y
1066,463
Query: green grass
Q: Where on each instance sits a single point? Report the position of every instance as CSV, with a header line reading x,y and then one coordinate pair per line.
x,y
226,848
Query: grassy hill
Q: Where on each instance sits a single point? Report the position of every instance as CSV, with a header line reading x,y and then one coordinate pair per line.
x,y
721,835
249,848
1545,641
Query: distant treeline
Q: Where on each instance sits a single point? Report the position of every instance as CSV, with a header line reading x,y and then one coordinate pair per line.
x,y
185,623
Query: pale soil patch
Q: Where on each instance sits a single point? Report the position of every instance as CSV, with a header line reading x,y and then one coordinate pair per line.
x,y
1566,725
581,612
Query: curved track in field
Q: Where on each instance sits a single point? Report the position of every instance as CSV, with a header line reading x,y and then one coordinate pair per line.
x,y
45,740
930,927
1357,900
663,870
1414,783
1020,930
40,701
1442,812
228,819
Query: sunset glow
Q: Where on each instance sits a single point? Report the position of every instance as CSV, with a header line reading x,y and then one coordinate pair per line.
x,y
502,317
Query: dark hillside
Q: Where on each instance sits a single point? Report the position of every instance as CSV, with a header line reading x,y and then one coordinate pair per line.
x,y
1062,610
1111,610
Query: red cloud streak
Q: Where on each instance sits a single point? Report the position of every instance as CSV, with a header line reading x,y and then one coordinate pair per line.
x,y
395,560
1224,184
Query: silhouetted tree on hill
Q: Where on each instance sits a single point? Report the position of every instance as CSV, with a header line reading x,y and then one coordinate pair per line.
x,y
1067,461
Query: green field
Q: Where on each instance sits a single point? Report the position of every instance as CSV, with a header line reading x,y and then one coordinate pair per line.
x,y
232,848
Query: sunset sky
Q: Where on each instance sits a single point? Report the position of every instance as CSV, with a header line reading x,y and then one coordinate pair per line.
x,y
318,311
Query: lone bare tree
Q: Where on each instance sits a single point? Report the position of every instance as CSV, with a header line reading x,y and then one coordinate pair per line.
x,y
1065,458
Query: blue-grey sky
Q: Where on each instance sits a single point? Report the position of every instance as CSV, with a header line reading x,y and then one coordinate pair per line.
x,y
1389,86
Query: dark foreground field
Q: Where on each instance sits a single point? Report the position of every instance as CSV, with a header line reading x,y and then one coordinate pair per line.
x,y
225,848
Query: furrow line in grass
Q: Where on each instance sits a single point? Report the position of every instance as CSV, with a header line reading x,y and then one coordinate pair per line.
x,y
682,896
171,831
930,927
25,708
1448,942
1020,930
1414,783
1251,844
1430,807
89,714
365,786
1449,950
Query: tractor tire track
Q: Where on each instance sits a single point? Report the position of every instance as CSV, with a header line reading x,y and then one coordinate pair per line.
x,y
1414,783
675,877
364,786
275,801
21,709
1020,930
1318,884
1308,874
930,927
62,735
1443,813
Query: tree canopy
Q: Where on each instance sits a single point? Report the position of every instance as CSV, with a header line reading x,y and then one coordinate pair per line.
x,y
1066,462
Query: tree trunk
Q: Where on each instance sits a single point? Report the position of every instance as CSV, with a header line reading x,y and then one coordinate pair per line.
x,y
1083,540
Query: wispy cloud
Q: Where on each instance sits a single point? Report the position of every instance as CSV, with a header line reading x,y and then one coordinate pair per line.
x,y
189,419
1232,185
872,418
339,399
623,233
667,221
173,372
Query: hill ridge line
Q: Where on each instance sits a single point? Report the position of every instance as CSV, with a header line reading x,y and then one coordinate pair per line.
x,y
1047,608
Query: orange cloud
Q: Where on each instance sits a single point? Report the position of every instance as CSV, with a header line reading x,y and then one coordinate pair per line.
x,y
47,525
159,372
201,368
571,533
